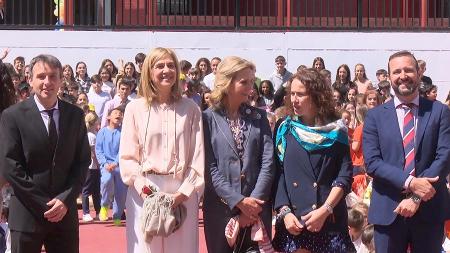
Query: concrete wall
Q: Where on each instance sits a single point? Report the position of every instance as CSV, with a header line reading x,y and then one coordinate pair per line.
x,y
371,49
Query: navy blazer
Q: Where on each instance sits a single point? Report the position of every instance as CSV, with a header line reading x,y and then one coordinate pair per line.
x,y
227,181
305,180
384,158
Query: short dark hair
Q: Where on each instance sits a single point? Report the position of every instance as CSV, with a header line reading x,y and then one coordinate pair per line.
x,y
403,53
185,65
96,79
384,84
127,82
20,58
120,108
280,58
140,57
367,235
51,60
381,72
355,219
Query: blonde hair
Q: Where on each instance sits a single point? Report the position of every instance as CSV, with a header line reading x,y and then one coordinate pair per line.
x,y
146,87
90,119
226,72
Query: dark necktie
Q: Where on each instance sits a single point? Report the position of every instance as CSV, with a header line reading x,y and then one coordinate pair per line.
x,y
408,139
52,133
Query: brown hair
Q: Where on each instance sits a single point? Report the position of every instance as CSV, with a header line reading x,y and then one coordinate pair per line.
x,y
370,92
402,53
319,92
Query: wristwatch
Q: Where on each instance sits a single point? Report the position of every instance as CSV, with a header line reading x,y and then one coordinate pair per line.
x,y
416,199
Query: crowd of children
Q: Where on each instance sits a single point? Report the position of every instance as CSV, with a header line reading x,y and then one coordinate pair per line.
x,y
103,97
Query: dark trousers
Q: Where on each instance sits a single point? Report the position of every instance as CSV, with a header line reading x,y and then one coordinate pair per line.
x,y
404,232
91,187
54,241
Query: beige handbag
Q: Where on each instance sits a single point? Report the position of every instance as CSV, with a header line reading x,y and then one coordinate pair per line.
x,y
159,218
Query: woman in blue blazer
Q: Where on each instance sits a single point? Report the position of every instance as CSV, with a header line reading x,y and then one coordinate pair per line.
x,y
314,171
239,167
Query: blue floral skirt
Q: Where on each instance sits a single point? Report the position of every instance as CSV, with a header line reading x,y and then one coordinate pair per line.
x,y
321,242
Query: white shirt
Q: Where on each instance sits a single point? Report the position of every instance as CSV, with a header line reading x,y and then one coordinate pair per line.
x,y
92,138
401,112
45,116
99,101
209,80
279,80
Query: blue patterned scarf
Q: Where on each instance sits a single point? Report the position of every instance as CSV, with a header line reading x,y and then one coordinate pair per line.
x,y
310,138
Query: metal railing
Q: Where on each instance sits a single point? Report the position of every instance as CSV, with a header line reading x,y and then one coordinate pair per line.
x,y
242,15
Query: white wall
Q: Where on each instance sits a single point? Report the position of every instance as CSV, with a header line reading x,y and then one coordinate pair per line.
x,y
371,49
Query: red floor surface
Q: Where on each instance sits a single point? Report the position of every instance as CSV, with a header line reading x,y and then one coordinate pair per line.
x,y
104,237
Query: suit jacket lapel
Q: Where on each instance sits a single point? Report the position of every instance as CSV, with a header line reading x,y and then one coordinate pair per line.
x,y
423,117
224,128
393,129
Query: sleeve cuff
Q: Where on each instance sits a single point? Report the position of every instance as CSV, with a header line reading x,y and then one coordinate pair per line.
x,y
407,182
139,183
186,188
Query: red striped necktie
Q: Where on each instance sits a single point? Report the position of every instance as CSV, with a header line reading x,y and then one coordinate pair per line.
x,y
409,133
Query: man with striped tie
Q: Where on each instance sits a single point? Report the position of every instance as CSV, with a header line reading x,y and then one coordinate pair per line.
x,y
406,144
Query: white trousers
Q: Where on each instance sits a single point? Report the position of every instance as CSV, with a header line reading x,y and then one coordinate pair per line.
x,y
185,239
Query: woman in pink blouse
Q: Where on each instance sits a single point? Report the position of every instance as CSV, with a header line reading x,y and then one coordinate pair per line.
x,y
162,147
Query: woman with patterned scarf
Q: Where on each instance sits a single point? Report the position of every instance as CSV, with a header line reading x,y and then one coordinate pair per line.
x,y
314,171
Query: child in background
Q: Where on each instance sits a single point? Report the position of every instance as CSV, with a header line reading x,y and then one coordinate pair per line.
x,y
355,229
326,74
82,99
72,89
97,97
24,91
384,88
92,184
107,152
364,209
194,74
356,153
124,89
346,117
267,92
5,237
360,100
272,120
350,107
280,112
351,95
382,75
367,239
191,92
185,66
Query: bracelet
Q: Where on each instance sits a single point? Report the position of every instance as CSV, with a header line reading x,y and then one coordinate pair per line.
x,y
283,212
328,207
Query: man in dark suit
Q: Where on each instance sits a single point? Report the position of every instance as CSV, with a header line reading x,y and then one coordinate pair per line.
x,y
44,156
406,144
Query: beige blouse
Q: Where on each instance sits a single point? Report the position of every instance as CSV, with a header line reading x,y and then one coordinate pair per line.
x,y
174,143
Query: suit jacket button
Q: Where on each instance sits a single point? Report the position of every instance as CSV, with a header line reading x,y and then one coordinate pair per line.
x,y
315,185
294,207
242,176
295,184
314,207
